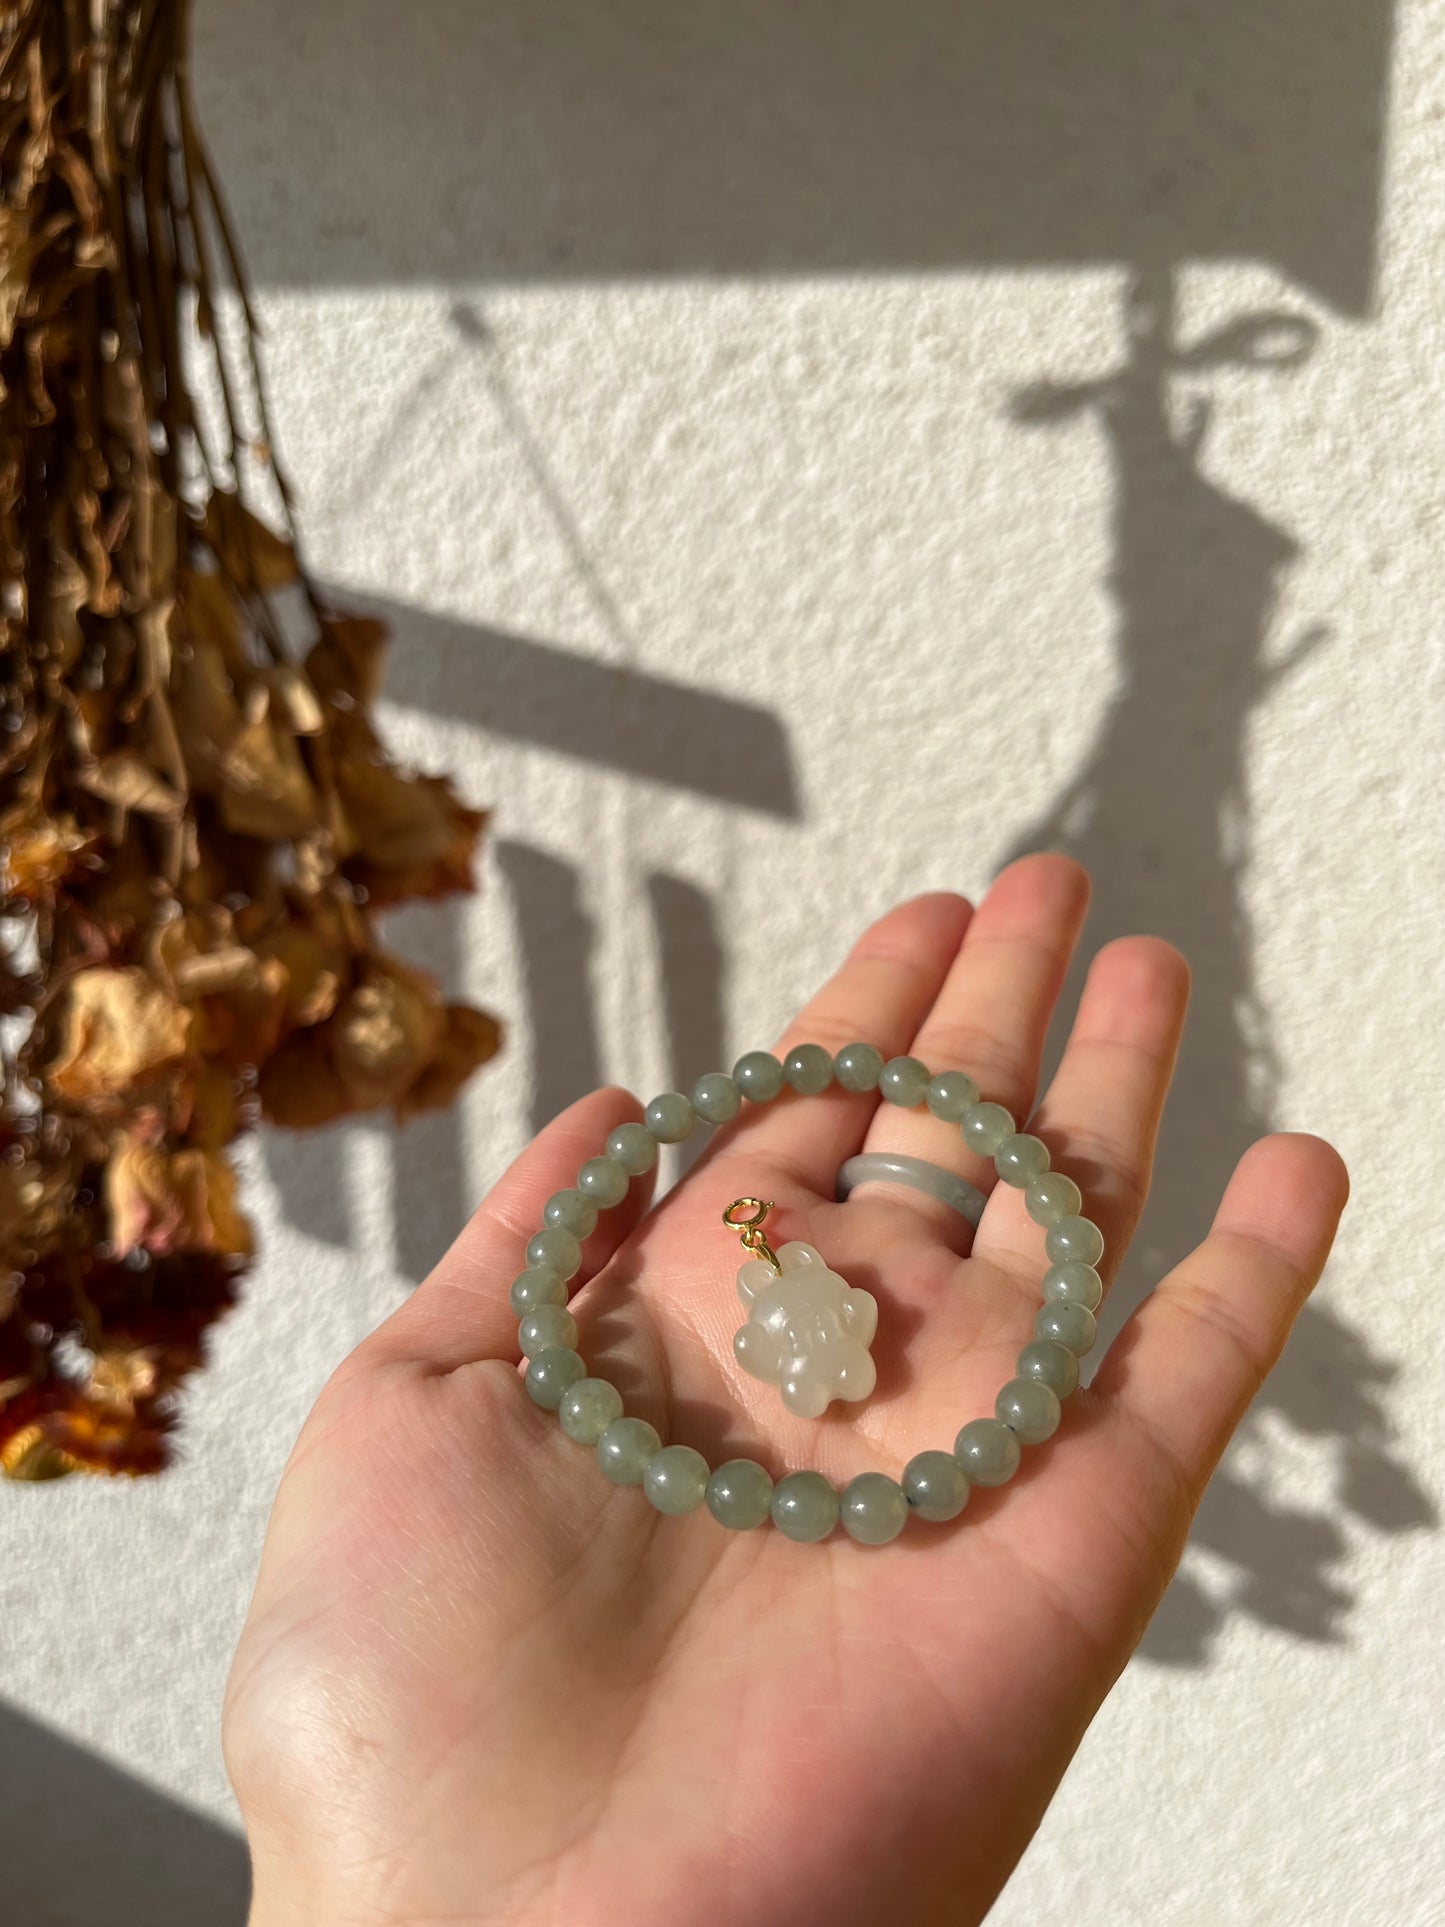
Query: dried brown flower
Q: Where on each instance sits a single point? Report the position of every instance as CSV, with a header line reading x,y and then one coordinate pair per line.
x,y
198,821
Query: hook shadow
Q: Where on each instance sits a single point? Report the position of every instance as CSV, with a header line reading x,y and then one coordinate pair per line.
x,y
311,1175
431,1198
557,944
597,714
692,967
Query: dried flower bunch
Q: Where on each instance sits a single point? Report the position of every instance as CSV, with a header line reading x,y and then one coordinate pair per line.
x,y
197,821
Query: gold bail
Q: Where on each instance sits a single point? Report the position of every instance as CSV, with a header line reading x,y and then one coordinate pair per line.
x,y
750,1229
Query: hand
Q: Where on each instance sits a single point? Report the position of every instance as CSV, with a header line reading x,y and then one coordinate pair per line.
x,y
480,1683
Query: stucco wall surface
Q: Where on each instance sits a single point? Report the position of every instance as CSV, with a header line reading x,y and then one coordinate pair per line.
x,y
809,454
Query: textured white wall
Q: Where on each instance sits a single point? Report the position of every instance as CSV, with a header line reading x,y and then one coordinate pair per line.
x,y
736,412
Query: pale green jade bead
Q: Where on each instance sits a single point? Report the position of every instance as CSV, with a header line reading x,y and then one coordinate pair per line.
x,y
538,1285
669,1117
1051,1363
988,1451
857,1067
634,1147
603,1180
1074,1237
588,1408
572,1211
805,1507
809,1071
545,1327
1052,1196
935,1486
950,1094
759,1076
903,1081
1020,1159
739,1495
675,1480
1078,1283
1067,1324
1029,1409
557,1249
550,1373
716,1097
624,1449
985,1126
873,1509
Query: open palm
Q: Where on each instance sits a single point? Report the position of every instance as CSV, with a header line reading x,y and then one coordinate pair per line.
x,y
480,1683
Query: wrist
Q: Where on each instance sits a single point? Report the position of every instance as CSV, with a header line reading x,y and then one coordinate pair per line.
x,y
284,1897
287,1897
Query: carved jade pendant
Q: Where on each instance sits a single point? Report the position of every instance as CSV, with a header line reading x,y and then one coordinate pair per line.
x,y
807,1331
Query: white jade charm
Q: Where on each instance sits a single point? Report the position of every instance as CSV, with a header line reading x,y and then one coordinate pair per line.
x,y
808,1330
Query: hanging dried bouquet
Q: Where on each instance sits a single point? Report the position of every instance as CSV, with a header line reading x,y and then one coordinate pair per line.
x,y
197,820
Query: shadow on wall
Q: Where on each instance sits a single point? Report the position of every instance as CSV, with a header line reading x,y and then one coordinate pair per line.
x,y
517,144
82,1843
692,969
1160,813
661,137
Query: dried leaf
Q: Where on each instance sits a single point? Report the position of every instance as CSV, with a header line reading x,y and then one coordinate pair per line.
x,y
21,245
28,1456
415,838
122,1378
131,783
211,614
347,662
266,791
242,1025
35,1200
408,835
120,1029
37,852
317,962
249,552
207,715
165,1201
300,1087
85,1434
293,691
386,1032
213,1115
470,1038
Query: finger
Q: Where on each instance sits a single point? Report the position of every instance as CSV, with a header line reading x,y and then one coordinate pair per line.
x,y
880,996
1177,1380
461,1311
1100,1115
992,1011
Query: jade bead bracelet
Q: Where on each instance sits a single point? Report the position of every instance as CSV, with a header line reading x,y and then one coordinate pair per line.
x,y
740,1494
